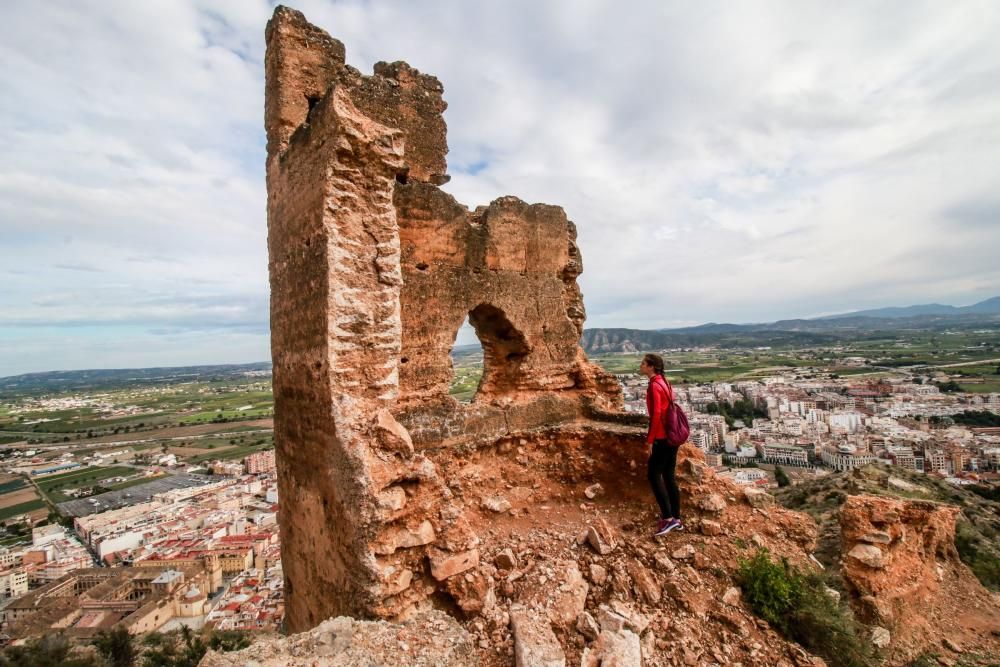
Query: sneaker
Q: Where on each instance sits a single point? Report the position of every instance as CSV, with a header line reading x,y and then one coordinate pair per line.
x,y
678,525
665,526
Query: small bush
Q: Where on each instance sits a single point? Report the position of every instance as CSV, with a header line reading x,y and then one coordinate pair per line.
x,y
49,651
797,605
975,552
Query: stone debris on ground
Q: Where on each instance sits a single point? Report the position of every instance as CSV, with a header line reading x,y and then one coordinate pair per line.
x,y
429,639
535,644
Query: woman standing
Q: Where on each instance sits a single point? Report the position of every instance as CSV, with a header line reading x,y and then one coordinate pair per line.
x,y
662,457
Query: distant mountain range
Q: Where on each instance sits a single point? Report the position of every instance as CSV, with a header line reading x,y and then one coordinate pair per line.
x,y
987,307
816,331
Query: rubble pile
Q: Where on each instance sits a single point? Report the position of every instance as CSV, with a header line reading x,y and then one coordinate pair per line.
x,y
430,639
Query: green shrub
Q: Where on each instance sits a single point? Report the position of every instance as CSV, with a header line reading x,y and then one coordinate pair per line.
x,y
117,646
186,648
978,555
924,660
797,605
49,651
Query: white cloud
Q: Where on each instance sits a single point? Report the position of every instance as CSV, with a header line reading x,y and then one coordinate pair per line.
x,y
722,161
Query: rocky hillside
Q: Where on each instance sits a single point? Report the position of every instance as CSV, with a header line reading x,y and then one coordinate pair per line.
x,y
977,531
907,549
572,576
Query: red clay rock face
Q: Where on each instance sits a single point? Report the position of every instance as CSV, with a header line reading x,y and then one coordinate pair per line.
x,y
373,269
902,568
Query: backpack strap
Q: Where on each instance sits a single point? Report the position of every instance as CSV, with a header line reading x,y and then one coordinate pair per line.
x,y
668,388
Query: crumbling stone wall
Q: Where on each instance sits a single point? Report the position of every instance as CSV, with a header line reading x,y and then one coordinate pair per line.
x,y
373,269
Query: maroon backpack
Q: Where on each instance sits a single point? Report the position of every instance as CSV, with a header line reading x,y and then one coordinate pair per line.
x,y
676,422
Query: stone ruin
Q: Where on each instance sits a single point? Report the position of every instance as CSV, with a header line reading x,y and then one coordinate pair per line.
x,y
373,269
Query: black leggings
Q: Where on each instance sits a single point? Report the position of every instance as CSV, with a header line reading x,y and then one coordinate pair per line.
x,y
662,462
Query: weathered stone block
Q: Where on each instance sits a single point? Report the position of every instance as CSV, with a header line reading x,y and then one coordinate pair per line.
x,y
614,649
445,564
535,645
758,498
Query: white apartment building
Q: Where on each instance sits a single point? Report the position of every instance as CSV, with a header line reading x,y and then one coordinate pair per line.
x,y
845,422
992,457
845,461
47,534
13,583
784,454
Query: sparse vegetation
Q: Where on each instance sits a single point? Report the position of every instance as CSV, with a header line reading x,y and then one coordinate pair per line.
x,y
186,648
52,650
796,604
977,418
975,551
117,646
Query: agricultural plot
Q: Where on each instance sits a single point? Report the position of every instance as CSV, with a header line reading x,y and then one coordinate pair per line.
x,y
113,413
18,497
466,382
231,453
33,508
10,483
55,486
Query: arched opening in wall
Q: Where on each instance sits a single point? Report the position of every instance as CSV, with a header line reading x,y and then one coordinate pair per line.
x,y
504,349
466,364
487,355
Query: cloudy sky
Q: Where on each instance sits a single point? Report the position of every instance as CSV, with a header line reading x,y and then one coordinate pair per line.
x,y
723,161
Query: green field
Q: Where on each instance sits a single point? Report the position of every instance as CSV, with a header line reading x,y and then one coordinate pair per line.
x,y
231,453
466,382
53,487
12,485
154,407
23,508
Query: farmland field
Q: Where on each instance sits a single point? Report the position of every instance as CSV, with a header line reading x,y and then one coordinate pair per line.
x,y
33,507
18,497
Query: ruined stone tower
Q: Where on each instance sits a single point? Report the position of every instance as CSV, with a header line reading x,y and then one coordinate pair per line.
x,y
373,269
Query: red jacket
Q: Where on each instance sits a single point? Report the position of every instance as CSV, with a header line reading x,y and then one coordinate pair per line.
x,y
659,395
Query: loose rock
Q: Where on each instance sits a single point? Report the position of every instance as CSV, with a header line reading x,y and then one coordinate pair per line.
x,y
758,498
685,552
535,645
601,537
614,649
587,626
881,637
868,554
713,503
